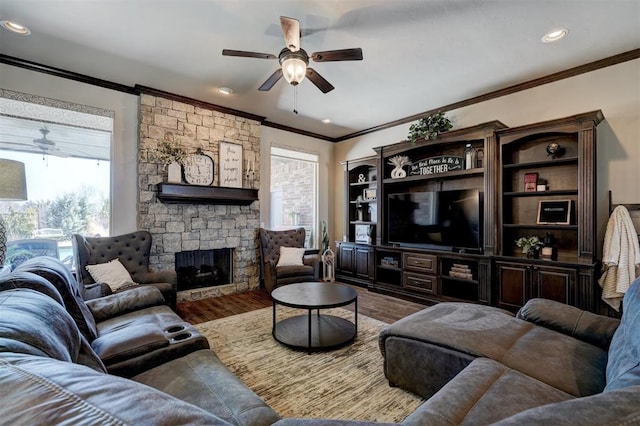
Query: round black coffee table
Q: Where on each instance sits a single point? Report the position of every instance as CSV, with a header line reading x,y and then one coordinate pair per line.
x,y
314,332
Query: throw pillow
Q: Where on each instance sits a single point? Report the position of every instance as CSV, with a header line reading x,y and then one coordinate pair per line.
x,y
291,256
111,273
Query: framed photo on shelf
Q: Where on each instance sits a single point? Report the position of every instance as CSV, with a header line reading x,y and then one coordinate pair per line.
x,y
554,212
530,182
363,234
369,194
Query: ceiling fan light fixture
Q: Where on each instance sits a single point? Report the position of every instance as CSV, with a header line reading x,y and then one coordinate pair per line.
x,y
294,69
555,35
14,27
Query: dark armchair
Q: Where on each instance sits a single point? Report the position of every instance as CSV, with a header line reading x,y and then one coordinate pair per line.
x,y
276,276
133,252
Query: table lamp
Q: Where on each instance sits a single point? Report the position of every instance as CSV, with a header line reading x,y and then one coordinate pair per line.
x,y
13,186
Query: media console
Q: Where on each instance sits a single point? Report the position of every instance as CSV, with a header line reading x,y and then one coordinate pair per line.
x,y
437,220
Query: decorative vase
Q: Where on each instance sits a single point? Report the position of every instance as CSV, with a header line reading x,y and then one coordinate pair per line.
x,y
398,173
174,170
533,253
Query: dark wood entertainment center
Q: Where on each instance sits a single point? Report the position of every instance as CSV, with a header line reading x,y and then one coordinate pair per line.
x,y
495,273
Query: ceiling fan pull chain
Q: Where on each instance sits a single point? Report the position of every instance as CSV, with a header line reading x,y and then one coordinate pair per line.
x,y
295,99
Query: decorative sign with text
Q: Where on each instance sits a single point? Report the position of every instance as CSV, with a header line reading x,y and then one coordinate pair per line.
x,y
435,165
230,165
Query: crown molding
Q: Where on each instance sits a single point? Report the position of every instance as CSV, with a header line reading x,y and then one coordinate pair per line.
x,y
138,89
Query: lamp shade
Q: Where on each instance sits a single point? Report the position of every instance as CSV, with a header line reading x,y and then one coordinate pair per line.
x,y
13,181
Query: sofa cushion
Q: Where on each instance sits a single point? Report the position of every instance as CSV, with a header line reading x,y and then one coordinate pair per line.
x,y
616,408
201,379
473,329
132,300
129,342
28,280
484,392
57,274
589,327
168,338
35,324
76,395
623,367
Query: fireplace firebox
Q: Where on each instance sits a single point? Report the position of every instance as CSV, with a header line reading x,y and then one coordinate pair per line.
x,y
204,268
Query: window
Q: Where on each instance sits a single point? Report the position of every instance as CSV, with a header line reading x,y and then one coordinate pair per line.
x,y
294,192
66,151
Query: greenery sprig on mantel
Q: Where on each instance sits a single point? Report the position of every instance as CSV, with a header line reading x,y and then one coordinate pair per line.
x,y
168,151
429,127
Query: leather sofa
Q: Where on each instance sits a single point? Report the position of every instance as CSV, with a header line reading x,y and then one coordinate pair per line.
x,y
51,374
130,331
549,364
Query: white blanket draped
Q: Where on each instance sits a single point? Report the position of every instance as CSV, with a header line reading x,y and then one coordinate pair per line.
x,y
620,257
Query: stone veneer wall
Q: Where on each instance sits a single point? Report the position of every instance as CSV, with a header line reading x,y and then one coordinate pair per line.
x,y
179,227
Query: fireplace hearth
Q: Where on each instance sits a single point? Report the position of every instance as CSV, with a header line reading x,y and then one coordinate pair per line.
x,y
204,268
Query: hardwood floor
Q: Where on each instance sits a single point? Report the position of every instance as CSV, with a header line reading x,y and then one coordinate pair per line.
x,y
374,305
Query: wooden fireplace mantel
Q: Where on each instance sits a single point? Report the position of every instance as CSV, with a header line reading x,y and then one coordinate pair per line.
x,y
195,194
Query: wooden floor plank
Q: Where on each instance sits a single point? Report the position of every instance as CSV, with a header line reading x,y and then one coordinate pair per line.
x,y
374,305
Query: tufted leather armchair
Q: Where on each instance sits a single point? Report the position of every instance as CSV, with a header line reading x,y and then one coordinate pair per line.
x,y
133,252
270,243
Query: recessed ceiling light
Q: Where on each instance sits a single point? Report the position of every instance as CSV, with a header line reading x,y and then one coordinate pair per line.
x,y
555,35
14,27
326,120
225,90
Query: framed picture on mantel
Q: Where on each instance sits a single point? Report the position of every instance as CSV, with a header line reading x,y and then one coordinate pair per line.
x,y
230,165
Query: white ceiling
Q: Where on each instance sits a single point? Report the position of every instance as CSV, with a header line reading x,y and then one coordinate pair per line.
x,y
418,55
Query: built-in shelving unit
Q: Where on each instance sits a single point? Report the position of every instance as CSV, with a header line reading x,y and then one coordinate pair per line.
x,y
355,250
568,175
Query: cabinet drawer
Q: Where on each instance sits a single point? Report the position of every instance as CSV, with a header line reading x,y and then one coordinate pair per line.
x,y
420,262
424,283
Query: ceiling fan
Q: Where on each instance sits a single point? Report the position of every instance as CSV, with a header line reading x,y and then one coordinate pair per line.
x,y
294,60
48,146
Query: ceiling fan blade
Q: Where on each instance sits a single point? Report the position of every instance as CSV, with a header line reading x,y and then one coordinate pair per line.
x,y
43,142
244,54
338,55
291,31
319,81
267,85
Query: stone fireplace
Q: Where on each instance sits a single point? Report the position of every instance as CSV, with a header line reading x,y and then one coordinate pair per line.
x,y
197,226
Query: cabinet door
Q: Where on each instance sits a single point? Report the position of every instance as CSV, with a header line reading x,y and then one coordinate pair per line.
x,y
363,262
554,283
513,285
345,258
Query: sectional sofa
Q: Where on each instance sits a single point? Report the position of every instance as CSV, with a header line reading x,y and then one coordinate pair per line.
x,y
550,365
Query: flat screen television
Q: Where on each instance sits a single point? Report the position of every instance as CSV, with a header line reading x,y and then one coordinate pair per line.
x,y
446,220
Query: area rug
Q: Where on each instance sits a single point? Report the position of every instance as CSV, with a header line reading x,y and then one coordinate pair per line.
x,y
347,383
